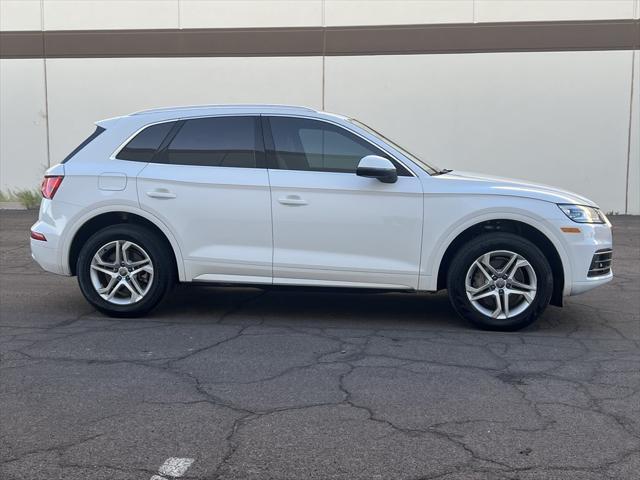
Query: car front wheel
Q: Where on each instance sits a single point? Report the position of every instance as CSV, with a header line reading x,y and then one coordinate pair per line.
x,y
500,281
123,270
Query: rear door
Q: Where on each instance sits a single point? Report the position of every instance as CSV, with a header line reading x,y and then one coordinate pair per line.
x,y
209,185
330,226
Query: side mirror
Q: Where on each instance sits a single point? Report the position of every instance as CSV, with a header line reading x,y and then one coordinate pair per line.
x,y
373,166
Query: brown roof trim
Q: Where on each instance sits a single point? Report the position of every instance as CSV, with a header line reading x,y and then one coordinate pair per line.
x,y
314,41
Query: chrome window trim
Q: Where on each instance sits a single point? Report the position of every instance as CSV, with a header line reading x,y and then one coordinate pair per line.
x,y
177,119
288,115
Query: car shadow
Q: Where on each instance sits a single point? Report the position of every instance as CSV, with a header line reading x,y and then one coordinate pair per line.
x,y
308,307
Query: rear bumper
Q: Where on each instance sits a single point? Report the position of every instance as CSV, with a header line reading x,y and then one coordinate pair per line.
x,y
46,256
51,224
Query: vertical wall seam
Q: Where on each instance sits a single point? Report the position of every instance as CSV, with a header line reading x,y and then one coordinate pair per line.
x,y
631,94
46,86
324,50
179,4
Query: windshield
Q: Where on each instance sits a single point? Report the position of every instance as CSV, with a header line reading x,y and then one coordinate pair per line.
x,y
430,169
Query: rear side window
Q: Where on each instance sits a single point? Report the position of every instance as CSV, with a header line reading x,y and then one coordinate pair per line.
x,y
144,145
86,142
217,142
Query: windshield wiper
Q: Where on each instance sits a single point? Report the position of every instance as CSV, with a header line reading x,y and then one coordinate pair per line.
x,y
443,171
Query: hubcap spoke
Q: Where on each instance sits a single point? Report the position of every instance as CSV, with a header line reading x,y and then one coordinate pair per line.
x,y
125,247
146,268
505,269
505,303
136,286
110,273
483,270
109,287
118,253
486,262
498,310
114,290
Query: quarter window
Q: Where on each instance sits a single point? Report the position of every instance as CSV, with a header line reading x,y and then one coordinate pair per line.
x,y
216,142
305,144
143,146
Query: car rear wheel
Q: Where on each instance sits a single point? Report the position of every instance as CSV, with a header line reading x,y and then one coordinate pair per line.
x,y
123,270
500,281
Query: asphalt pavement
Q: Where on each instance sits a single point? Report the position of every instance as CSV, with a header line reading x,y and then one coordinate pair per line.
x,y
249,384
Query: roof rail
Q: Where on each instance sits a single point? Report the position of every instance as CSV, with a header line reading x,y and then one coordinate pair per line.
x,y
239,105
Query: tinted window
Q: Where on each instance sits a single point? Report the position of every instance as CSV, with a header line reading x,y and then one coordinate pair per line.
x,y
304,144
86,142
144,145
217,142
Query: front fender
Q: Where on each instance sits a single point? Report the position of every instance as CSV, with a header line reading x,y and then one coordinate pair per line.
x,y
441,228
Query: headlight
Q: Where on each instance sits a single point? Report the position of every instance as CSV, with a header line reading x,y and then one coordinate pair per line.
x,y
582,213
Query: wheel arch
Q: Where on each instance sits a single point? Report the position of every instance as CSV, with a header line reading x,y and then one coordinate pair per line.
x,y
90,224
521,228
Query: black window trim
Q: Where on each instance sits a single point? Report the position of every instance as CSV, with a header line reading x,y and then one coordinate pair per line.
x,y
95,134
160,155
270,146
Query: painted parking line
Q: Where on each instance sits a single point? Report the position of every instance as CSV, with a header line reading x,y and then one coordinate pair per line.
x,y
173,467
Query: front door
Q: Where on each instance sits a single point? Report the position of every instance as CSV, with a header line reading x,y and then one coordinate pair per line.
x,y
331,227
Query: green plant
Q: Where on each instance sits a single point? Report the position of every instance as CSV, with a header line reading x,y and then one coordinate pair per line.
x,y
29,198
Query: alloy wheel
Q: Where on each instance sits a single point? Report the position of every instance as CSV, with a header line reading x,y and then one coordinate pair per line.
x,y
121,272
501,284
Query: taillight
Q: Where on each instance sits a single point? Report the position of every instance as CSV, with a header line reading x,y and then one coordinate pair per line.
x,y
38,236
50,186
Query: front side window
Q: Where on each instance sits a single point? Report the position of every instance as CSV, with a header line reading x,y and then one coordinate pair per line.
x,y
306,144
144,145
216,142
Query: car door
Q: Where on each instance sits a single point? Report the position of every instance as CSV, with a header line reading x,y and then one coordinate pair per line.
x,y
208,184
330,226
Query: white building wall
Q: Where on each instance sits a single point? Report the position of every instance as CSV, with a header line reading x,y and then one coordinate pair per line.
x,y
82,91
23,123
561,118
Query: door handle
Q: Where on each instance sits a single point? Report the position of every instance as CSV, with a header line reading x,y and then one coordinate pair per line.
x,y
292,200
161,193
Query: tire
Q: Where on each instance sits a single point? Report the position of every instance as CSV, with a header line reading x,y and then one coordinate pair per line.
x,y
147,277
512,281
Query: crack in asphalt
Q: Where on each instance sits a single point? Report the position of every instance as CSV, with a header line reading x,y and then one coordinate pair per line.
x,y
235,383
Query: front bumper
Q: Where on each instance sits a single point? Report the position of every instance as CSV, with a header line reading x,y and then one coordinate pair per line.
x,y
581,248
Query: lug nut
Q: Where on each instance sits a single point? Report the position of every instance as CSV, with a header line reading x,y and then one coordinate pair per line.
x,y
494,277
501,291
493,287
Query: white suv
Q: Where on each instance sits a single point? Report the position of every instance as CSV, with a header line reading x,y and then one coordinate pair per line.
x,y
275,195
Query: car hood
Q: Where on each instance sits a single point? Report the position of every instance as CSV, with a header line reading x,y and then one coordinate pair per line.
x,y
475,183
